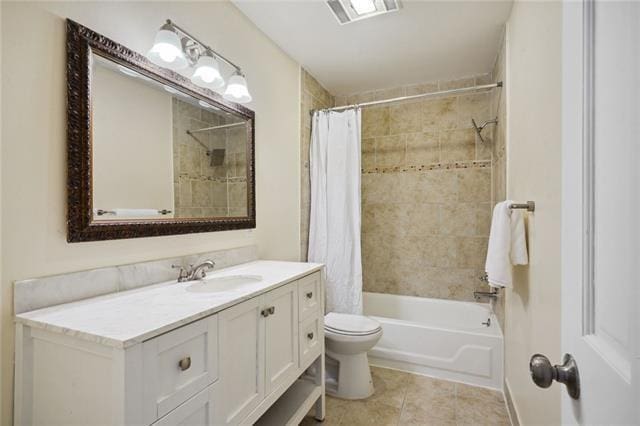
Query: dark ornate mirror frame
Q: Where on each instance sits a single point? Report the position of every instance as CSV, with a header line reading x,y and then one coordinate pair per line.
x,y
81,43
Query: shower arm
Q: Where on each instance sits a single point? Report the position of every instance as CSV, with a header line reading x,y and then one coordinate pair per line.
x,y
481,127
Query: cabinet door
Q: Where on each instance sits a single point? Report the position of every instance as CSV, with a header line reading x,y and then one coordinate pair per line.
x,y
241,374
198,411
281,337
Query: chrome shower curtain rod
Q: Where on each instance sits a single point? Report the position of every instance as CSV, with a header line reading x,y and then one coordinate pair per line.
x,y
222,126
423,95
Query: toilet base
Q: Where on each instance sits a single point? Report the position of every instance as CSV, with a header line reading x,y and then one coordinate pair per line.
x,y
354,376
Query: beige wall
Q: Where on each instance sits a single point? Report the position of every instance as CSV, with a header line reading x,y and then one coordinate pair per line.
x,y
132,142
426,191
533,173
34,142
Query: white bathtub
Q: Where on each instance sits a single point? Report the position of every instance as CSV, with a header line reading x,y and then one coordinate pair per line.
x,y
439,338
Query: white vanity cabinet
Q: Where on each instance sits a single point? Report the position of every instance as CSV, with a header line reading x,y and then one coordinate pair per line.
x,y
243,364
261,351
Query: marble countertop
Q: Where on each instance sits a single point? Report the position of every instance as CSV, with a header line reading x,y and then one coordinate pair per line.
x,y
127,318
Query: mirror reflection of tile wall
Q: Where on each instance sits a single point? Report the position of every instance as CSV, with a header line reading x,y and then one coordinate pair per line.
x,y
209,166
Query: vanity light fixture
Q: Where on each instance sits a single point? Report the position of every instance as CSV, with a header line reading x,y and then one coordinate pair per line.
x,y
174,48
207,105
128,71
167,49
237,89
207,73
170,89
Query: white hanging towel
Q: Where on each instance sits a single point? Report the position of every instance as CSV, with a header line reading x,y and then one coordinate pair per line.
x,y
507,245
136,212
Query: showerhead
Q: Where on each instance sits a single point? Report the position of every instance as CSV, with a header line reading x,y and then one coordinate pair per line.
x,y
481,127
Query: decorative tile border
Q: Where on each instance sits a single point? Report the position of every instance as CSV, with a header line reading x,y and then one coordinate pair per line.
x,y
481,164
32,294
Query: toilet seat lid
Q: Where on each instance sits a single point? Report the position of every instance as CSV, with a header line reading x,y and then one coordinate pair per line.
x,y
350,324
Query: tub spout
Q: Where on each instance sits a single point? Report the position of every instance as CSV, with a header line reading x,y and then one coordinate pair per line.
x,y
493,294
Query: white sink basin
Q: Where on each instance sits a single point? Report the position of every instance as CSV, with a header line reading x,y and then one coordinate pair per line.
x,y
223,284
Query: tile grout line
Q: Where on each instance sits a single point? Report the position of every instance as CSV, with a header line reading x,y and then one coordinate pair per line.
x,y
404,399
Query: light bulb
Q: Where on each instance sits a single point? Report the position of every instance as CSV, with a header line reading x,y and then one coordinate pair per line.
x,y
167,49
237,89
207,73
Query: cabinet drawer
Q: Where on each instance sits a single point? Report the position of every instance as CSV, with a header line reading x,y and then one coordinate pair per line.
x,y
178,365
309,295
197,411
311,339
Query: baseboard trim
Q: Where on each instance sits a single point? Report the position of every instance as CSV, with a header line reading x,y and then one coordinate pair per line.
x,y
511,408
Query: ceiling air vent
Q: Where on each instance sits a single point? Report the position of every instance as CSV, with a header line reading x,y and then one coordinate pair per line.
x,y
347,11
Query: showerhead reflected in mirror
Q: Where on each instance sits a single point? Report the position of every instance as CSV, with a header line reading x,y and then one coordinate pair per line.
x,y
159,153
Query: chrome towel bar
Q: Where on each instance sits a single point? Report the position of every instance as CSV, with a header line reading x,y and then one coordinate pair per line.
x,y
101,212
530,206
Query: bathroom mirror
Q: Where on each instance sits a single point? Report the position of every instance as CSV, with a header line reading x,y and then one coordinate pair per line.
x,y
150,153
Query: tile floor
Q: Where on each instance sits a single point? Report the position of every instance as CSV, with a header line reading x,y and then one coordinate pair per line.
x,y
409,399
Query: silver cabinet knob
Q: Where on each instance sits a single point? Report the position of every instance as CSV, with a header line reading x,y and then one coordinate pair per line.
x,y
184,363
543,373
268,311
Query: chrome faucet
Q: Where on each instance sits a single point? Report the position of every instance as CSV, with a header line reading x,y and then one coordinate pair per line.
x,y
493,294
194,273
200,271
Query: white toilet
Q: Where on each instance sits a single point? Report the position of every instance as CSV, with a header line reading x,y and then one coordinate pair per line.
x,y
347,340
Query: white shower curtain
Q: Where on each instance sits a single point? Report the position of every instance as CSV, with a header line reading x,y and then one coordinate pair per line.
x,y
334,228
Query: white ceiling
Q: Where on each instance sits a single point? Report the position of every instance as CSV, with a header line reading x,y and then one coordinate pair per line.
x,y
424,41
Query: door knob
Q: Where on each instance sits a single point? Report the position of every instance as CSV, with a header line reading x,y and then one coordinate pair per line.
x,y
543,373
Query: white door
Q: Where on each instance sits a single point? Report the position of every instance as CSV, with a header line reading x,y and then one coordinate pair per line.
x,y
600,209
240,387
281,336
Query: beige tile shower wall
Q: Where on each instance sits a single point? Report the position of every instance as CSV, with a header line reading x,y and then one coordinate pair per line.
x,y
498,154
426,186
200,189
313,96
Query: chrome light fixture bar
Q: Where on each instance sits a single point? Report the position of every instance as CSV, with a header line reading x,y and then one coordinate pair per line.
x,y
178,50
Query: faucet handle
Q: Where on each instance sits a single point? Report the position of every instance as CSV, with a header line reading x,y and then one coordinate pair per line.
x,y
183,275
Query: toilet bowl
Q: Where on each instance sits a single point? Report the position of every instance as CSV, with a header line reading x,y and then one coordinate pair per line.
x,y
347,340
